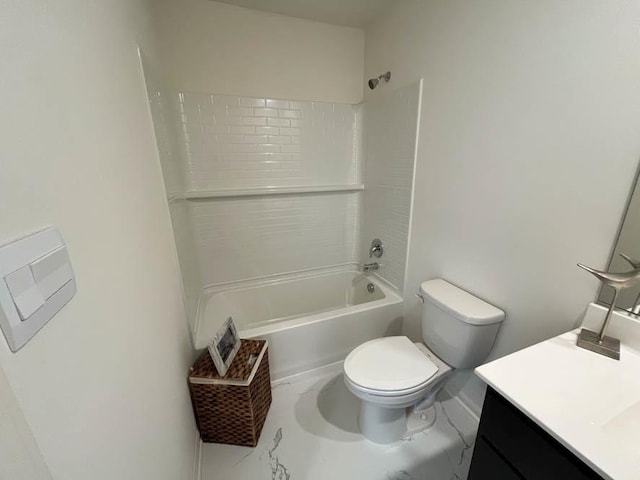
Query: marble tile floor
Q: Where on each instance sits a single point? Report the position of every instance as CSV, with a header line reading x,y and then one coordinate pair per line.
x,y
311,433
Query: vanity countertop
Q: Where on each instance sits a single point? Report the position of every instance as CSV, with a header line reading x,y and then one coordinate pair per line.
x,y
588,402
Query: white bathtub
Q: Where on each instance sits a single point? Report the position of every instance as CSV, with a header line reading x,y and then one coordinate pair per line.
x,y
310,319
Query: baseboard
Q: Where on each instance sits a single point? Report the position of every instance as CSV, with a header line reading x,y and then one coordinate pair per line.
x,y
465,402
197,457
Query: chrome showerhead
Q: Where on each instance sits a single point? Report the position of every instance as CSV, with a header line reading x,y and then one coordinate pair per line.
x,y
373,82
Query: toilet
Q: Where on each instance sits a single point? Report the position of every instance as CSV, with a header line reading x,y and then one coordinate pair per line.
x,y
391,374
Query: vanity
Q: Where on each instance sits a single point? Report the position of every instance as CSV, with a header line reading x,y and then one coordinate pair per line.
x,y
557,411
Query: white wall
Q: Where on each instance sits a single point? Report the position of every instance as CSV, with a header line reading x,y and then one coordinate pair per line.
x,y
528,144
20,457
212,47
102,386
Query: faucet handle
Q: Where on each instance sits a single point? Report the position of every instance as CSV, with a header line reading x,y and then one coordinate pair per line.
x,y
377,249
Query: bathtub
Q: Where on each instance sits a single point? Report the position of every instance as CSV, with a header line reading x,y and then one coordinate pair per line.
x,y
310,319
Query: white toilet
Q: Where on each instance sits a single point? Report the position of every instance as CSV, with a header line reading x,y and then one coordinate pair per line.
x,y
392,373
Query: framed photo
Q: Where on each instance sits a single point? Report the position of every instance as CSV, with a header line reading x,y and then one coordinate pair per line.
x,y
224,346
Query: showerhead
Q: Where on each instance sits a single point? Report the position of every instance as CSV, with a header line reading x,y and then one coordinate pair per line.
x,y
373,82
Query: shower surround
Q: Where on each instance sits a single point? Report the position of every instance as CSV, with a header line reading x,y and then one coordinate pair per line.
x,y
264,189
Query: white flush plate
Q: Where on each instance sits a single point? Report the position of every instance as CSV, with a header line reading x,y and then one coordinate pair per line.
x,y
36,281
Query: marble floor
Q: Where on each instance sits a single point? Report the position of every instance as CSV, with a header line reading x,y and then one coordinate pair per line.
x,y
311,433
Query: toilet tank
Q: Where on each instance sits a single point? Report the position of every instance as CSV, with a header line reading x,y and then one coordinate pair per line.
x,y
457,326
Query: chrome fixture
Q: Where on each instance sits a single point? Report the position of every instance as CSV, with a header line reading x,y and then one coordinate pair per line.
x,y
370,267
373,82
599,342
377,249
371,287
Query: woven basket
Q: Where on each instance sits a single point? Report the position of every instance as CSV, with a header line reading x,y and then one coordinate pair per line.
x,y
232,409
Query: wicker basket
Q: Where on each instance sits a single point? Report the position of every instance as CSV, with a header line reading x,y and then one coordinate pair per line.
x,y
232,409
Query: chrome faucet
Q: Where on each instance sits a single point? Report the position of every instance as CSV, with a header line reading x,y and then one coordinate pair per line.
x,y
377,249
370,267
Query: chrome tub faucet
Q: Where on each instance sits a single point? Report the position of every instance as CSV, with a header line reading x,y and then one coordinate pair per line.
x,y
370,267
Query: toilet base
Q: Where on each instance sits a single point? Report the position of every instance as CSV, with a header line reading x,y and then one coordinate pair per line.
x,y
388,425
419,421
382,424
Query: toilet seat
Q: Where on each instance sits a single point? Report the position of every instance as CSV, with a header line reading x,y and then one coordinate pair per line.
x,y
389,367
394,393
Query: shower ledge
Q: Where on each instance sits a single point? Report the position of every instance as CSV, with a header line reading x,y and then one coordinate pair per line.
x,y
261,191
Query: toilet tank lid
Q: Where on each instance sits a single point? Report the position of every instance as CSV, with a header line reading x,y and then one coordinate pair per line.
x,y
459,303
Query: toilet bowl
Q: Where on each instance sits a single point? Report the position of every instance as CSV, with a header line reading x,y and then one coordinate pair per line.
x,y
390,374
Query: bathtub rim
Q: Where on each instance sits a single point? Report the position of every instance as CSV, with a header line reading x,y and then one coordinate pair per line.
x,y
391,296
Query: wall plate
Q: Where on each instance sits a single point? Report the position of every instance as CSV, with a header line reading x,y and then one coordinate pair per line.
x,y
36,281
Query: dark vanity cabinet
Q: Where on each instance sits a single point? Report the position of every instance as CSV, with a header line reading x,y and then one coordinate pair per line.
x,y
510,446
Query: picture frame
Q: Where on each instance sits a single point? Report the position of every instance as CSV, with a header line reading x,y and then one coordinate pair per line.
x,y
224,346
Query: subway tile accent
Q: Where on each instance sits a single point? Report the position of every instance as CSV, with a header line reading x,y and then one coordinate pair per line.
x,y
390,139
278,122
310,142
277,103
252,237
265,112
252,102
242,142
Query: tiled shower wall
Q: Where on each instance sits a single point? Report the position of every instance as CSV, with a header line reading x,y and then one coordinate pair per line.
x,y
390,125
244,142
164,114
238,143
241,238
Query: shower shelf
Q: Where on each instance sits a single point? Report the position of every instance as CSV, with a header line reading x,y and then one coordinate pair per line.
x,y
252,192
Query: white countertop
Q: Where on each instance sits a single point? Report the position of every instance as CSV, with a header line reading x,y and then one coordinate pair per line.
x,y
588,402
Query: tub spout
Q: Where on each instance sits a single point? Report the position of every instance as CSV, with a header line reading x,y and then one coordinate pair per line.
x,y
370,267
